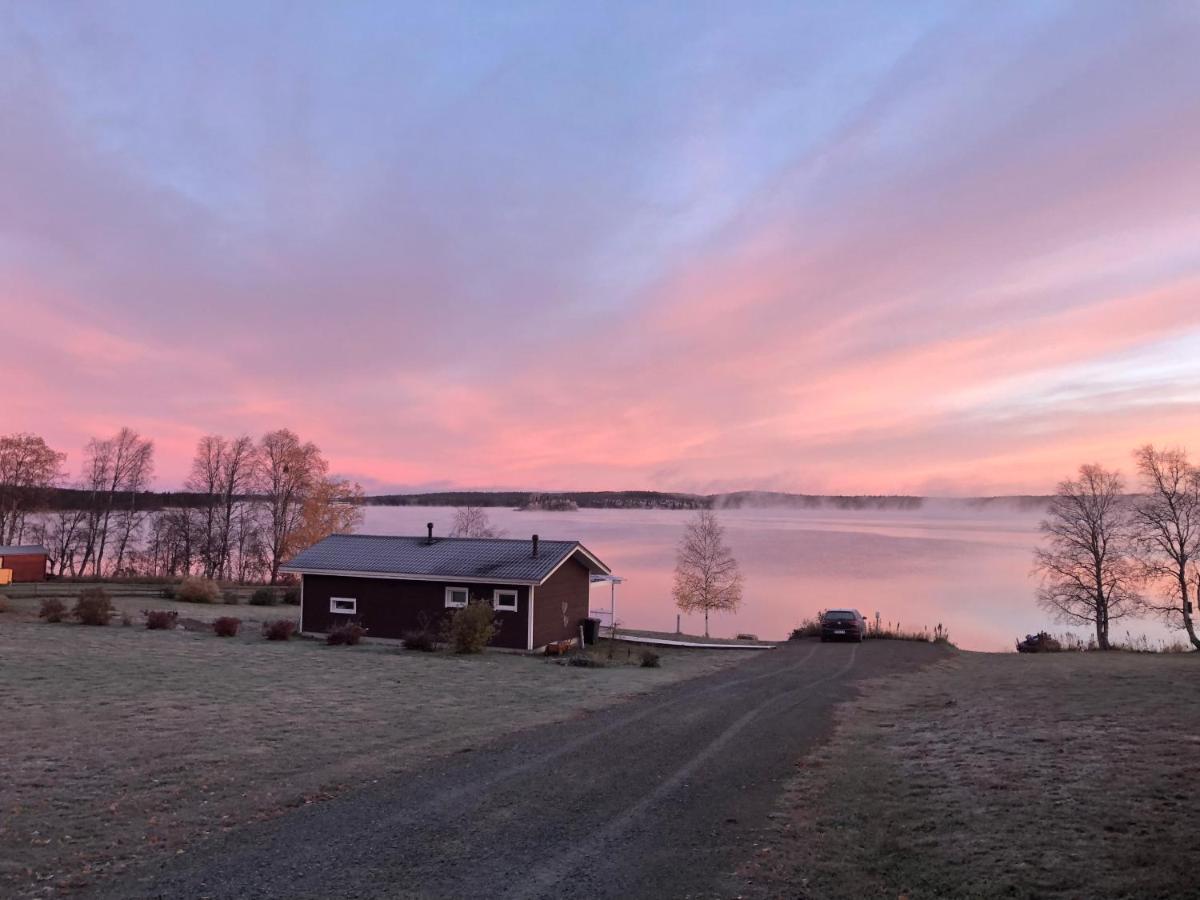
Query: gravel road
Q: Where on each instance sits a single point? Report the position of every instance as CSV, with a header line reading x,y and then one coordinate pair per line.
x,y
662,796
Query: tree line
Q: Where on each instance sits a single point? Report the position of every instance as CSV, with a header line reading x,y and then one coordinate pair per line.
x,y
249,506
1107,555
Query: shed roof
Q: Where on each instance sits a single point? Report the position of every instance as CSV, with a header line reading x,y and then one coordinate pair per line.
x,y
468,559
27,550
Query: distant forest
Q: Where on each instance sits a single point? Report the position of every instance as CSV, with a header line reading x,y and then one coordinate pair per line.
x,y
664,500
67,498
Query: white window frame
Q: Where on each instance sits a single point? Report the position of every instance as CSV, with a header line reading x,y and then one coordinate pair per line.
x,y
454,604
334,608
502,592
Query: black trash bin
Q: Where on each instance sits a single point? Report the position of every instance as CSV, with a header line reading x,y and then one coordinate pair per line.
x,y
591,631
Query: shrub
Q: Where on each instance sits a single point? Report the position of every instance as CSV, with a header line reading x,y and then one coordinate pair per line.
x,y
423,637
1039,643
279,629
585,661
472,627
419,639
195,589
292,596
807,628
226,626
53,610
230,598
650,659
349,635
747,637
167,592
161,619
94,607
264,596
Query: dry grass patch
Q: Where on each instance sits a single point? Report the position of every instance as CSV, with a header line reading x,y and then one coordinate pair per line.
x,y
120,741
988,775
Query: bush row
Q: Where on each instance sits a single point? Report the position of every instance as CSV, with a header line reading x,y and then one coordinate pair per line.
x,y
195,589
468,630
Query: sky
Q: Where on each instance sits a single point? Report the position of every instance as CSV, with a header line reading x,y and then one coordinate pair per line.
x,y
936,248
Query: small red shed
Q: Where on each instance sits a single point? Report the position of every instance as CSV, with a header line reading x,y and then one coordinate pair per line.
x,y
22,564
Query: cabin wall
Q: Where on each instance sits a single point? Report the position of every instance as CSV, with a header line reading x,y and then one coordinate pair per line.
x,y
561,603
388,607
25,566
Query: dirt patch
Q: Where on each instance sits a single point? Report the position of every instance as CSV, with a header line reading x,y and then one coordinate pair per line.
x,y
989,775
121,741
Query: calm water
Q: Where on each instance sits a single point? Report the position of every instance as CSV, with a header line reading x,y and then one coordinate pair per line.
x,y
966,568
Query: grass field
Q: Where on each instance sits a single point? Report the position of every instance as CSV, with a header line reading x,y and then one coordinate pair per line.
x,y
121,741
992,775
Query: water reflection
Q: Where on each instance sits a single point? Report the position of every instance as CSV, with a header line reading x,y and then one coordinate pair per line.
x,y
965,567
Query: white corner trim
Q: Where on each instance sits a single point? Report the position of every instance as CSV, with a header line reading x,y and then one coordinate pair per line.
x,y
454,604
505,592
301,629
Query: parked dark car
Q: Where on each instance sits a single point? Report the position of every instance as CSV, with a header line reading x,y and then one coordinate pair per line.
x,y
843,625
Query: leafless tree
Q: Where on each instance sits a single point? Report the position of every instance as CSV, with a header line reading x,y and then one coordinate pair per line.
x,y
1167,531
707,577
61,533
1088,575
222,474
248,543
28,470
473,522
116,471
237,480
205,481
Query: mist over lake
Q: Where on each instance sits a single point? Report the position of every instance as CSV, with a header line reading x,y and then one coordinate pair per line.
x,y
962,565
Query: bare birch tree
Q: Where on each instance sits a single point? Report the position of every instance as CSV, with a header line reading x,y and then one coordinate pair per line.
x,y
473,522
1167,530
222,475
116,470
28,470
237,481
1088,575
205,481
707,577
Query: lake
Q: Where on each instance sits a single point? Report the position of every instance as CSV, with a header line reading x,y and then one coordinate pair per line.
x,y
964,566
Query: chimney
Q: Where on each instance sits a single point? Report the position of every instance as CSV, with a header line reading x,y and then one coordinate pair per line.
x,y
535,542
429,525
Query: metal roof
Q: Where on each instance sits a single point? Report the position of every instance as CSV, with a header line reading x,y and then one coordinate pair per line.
x,y
477,559
28,550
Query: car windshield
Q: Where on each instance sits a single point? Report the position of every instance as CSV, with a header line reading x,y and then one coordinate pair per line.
x,y
839,615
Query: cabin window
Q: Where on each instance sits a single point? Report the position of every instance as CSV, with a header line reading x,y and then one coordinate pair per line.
x,y
343,605
457,597
505,600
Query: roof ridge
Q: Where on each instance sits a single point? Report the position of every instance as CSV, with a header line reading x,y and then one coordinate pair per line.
x,y
425,537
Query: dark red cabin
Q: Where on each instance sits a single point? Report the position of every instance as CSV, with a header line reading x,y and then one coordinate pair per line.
x,y
24,564
391,585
